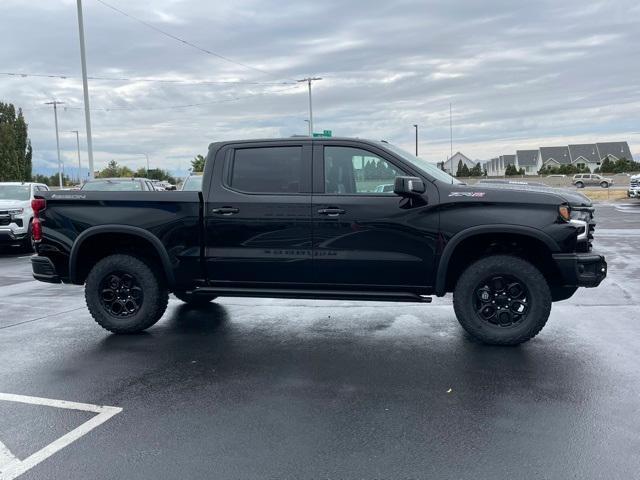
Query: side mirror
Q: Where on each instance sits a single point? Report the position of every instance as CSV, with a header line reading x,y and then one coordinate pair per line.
x,y
409,186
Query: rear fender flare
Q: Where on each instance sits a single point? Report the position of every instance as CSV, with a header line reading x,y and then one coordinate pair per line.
x,y
129,230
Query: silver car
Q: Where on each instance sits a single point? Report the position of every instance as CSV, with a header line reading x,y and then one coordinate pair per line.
x,y
582,180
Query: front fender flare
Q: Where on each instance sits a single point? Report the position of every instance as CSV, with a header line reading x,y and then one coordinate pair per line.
x,y
445,257
128,229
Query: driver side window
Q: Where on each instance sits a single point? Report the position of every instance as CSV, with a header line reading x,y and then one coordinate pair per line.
x,y
351,171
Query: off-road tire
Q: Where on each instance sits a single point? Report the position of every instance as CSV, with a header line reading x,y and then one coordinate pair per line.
x,y
150,281
539,301
27,242
195,300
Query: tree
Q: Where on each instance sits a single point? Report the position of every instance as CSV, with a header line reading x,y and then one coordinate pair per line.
x,y
197,164
476,171
15,146
465,171
459,170
115,170
155,174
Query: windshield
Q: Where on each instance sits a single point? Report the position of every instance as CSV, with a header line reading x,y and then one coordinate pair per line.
x,y
14,192
113,186
428,168
193,184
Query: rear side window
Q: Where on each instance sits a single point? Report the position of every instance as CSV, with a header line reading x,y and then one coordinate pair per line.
x,y
276,170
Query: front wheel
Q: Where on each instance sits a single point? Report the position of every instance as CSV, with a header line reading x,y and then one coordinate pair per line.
x,y
502,300
604,184
579,185
124,294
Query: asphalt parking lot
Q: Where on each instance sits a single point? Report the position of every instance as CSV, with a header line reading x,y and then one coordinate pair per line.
x,y
258,388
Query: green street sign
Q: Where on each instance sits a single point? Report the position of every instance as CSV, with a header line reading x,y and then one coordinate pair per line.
x,y
325,133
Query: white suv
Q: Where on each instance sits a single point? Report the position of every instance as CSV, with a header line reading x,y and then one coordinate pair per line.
x,y
16,214
634,187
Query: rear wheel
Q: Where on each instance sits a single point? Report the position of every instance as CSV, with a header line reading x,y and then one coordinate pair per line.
x,y
124,294
604,184
195,300
502,300
579,185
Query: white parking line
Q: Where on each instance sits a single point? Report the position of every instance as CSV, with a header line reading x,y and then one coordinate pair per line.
x,y
11,467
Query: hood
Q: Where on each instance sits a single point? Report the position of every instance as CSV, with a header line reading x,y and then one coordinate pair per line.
x,y
9,204
572,197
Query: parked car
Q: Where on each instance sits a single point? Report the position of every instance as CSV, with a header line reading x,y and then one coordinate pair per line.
x,y
123,184
292,218
167,185
16,214
634,187
384,188
556,175
193,183
582,180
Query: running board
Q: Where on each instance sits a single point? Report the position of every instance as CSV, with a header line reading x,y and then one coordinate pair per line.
x,y
312,294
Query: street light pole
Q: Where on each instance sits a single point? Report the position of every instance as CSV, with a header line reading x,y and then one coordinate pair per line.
x,y
78,145
85,87
416,127
147,156
55,104
308,80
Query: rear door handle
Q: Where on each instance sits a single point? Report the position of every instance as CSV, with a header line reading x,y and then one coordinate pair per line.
x,y
225,211
331,211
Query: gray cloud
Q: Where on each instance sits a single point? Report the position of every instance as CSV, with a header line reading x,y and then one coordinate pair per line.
x,y
518,74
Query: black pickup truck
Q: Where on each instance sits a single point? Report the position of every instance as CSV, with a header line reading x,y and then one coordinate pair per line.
x,y
324,219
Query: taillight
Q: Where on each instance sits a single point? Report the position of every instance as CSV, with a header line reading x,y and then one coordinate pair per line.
x,y
37,205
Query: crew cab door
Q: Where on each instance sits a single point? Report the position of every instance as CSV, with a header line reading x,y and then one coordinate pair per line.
x,y
365,234
258,215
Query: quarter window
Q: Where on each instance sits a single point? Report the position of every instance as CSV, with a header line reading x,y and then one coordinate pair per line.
x,y
350,170
275,170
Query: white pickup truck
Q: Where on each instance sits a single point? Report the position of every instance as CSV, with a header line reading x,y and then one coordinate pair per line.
x,y
16,214
634,187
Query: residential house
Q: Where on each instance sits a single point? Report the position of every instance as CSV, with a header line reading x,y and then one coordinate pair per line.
x,y
554,156
614,150
528,161
507,160
451,165
585,155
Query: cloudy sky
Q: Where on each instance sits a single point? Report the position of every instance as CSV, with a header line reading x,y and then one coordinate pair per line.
x,y
519,74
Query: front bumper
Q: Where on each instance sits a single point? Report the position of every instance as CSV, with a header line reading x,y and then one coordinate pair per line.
x,y
580,269
633,193
44,270
9,236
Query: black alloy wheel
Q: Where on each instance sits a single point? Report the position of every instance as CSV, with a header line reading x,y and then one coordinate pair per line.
x,y
120,294
501,300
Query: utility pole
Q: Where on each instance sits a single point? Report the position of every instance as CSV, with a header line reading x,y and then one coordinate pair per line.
x,y
309,80
147,156
85,87
416,127
78,145
451,130
55,104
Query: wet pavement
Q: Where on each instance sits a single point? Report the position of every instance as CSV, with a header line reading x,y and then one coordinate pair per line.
x,y
259,388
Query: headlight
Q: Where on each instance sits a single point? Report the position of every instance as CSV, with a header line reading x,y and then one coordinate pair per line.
x,y
14,212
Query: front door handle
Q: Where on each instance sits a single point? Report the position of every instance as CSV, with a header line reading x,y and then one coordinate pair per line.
x,y
331,211
225,211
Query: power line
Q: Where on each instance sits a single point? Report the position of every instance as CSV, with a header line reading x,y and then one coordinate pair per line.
x,y
151,80
181,40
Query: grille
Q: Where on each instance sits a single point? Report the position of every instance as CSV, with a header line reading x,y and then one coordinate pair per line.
x,y
635,183
5,220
